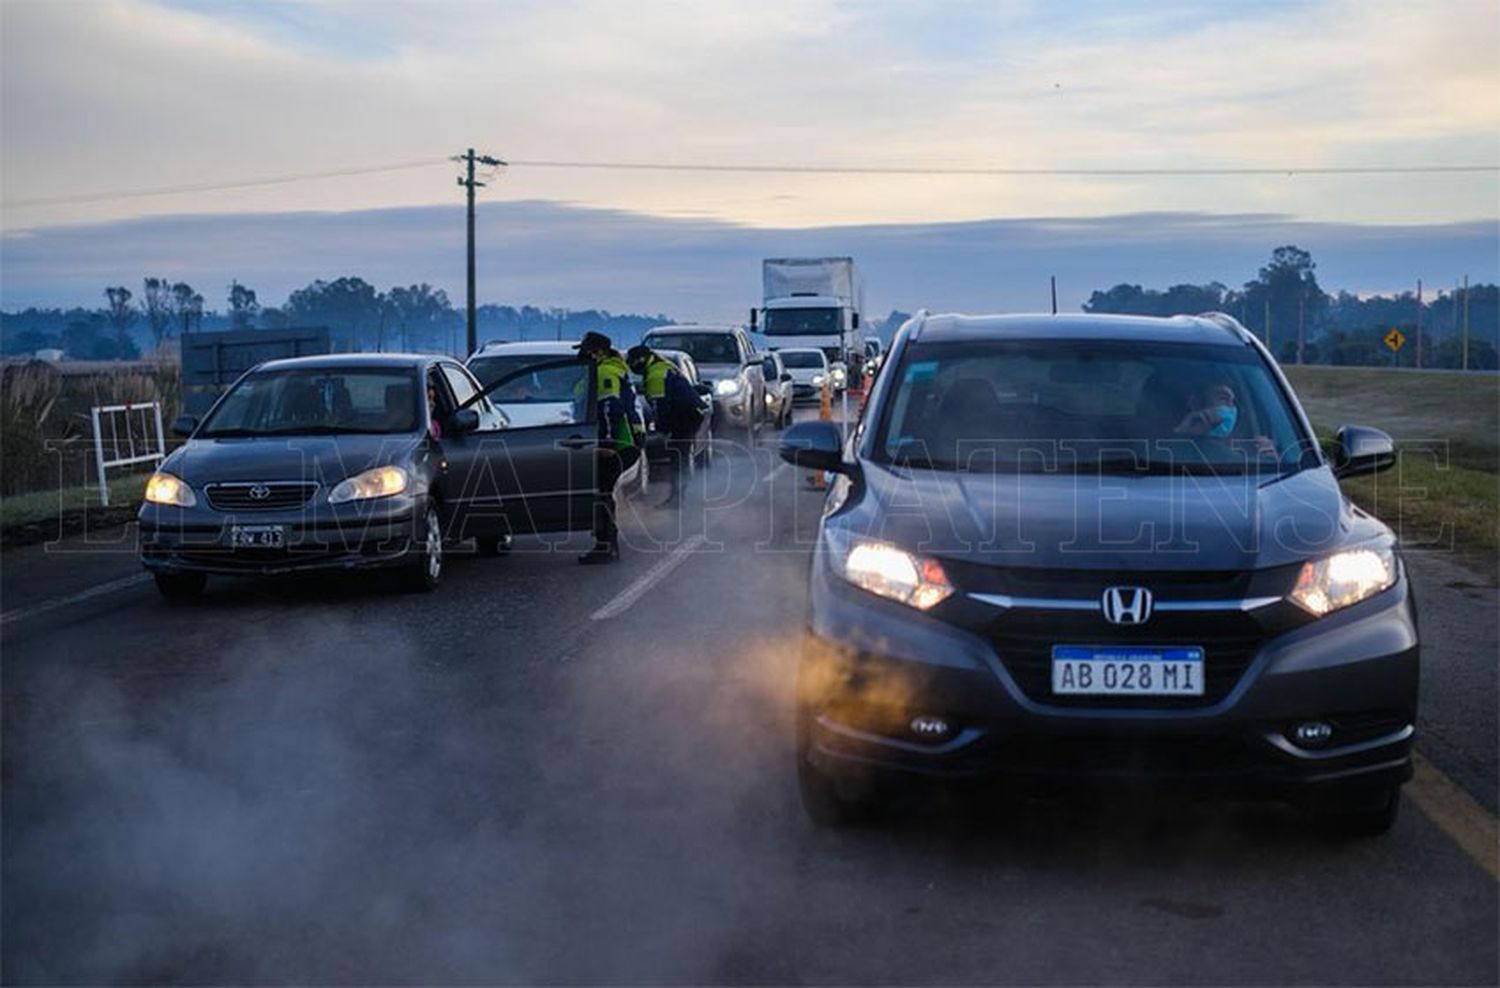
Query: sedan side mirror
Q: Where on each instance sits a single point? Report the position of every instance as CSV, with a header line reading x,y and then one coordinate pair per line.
x,y
1360,450
464,420
184,425
815,446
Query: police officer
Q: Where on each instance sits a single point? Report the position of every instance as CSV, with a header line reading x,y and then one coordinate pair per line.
x,y
675,405
618,453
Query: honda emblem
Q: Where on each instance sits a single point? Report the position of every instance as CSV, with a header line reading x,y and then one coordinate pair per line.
x,y
1126,605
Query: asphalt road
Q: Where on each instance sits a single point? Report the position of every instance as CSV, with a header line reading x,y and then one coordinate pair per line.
x,y
547,773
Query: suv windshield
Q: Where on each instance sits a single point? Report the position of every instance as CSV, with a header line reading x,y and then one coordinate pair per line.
x,y
1036,405
802,358
802,322
704,348
308,401
488,370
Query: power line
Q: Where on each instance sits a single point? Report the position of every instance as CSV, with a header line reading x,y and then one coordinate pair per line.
x,y
1288,171
245,183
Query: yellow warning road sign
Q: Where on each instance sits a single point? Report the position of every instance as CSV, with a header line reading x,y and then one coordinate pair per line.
x,y
1395,340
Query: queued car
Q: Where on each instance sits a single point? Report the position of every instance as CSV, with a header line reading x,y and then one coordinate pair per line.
x,y
809,368
729,363
356,461
780,390
1101,549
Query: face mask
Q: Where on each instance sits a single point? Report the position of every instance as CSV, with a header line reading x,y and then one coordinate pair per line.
x,y
1227,415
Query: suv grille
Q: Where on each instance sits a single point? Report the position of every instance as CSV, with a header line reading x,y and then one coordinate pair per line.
x,y
272,496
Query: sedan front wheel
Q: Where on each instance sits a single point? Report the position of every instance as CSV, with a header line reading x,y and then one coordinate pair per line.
x,y
425,571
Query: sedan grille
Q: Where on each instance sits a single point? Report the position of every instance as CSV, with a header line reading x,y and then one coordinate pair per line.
x,y
267,496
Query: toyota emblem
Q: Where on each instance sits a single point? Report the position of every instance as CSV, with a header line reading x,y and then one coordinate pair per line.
x,y
259,492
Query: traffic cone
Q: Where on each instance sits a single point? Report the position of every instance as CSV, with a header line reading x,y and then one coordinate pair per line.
x,y
825,413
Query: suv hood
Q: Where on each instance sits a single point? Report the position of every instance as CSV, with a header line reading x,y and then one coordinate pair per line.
x,y
1112,522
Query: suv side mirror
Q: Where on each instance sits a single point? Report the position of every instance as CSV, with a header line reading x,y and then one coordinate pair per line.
x,y
786,376
184,425
815,446
753,316
1360,450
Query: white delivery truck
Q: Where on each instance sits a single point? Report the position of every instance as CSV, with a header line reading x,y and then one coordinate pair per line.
x,y
812,302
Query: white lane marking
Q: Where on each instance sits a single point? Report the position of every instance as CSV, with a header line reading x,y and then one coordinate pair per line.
x,y
782,468
124,583
622,601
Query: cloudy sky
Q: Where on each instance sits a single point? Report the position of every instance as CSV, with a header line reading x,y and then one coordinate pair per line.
x,y
98,98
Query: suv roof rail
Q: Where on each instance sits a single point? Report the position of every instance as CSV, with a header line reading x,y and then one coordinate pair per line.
x,y
918,319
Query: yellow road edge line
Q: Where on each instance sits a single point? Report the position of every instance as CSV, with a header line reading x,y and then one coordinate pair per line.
x,y
1472,827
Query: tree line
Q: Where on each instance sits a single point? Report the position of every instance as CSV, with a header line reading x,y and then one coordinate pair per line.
x,y
357,315
1302,323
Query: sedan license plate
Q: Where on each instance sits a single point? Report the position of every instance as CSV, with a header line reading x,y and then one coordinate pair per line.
x,y
1127,670
257,536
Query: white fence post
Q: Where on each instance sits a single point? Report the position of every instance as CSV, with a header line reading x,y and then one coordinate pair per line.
x,y
113,414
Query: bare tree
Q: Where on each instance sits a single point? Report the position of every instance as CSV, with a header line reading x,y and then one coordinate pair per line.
x,y
187,306
242,306
156,300
121,316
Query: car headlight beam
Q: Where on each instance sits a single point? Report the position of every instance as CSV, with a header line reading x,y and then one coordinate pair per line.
x,y
728,386
378,482
1333,582
164,488
890,572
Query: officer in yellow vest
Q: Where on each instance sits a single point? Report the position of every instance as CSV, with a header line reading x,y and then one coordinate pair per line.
x,y
619,454
675,405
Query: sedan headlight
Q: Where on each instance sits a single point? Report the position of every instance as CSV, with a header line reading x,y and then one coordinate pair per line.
x,y
885,570
728,386
1345,578
379,482
163,488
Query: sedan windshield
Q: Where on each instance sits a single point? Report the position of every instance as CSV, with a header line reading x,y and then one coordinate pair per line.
x,y
704,348
803,358
318,401
1044,406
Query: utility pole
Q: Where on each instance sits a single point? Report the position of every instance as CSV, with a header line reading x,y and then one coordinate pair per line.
x,y
1268,323
1301,323
469,182
1419,323
1466,323
1054,295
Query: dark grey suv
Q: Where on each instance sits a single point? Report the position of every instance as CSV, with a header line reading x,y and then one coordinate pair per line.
x,y
1101,549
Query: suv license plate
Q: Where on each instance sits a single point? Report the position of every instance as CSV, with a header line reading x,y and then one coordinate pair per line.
x,y
1127,670
257,536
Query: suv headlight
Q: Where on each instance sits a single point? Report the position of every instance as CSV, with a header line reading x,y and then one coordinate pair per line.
x,y
728,386
163,488
884,570
1344,578
379,482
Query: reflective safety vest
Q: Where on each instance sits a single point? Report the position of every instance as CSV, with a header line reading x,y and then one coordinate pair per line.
x,y
612,381
656,377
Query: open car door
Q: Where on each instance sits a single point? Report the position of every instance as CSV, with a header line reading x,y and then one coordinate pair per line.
x,y
521,452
